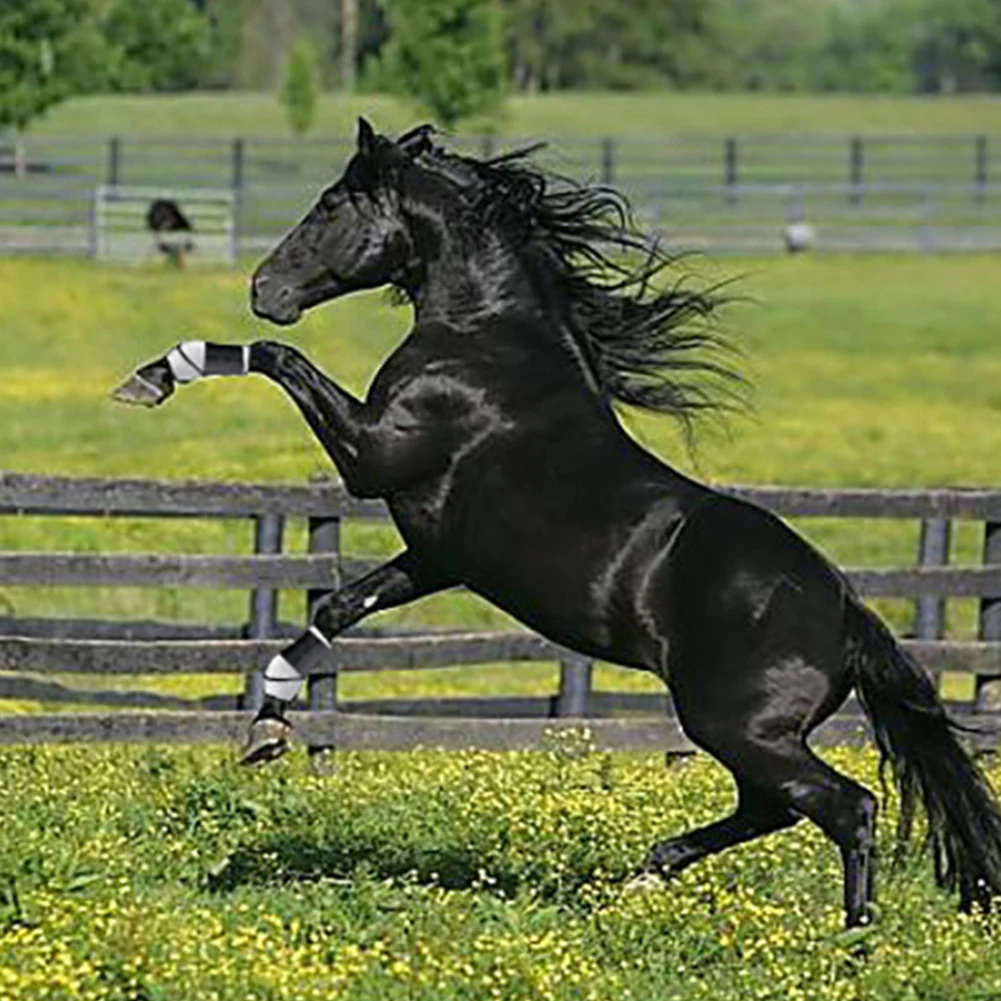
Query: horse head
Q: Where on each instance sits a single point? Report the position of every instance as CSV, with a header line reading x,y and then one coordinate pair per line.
x,y
355,237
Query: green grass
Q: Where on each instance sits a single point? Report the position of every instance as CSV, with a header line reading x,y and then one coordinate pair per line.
x,y
869,372
170,875
660,112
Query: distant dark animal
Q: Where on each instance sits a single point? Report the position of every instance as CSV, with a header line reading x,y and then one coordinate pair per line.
x,y
491,433
171,229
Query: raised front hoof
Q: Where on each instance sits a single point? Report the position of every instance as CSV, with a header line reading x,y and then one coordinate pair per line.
x,y
149,386
268,739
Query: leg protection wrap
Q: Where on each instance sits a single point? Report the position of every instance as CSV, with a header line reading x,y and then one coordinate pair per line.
x,y
192,360
284,676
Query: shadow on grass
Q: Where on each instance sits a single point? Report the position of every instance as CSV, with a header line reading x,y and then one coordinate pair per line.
x,y
298,858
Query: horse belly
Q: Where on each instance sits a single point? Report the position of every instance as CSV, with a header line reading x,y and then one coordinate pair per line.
x,y
579,584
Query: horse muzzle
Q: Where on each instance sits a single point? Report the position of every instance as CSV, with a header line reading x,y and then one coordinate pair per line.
x,y
274,300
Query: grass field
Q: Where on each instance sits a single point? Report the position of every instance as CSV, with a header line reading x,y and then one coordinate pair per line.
x,y
869,372
169,875
251,114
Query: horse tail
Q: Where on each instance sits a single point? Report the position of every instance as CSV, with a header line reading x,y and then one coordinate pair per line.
x,y
917,738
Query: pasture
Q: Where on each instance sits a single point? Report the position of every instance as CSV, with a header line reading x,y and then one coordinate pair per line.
x,y
165,875
161,874
655,112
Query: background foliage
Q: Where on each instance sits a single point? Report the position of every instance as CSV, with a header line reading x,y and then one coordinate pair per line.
x,y
456,55
300,90
447,53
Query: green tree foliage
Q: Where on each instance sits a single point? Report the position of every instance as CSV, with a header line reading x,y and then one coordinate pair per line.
x,y
558,44
772,45
155,44
958,45
447,54
44,45
301,87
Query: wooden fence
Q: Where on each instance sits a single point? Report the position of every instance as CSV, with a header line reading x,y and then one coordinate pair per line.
x,y
32,649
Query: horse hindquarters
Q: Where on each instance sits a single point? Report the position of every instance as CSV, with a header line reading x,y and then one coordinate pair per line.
x,y
754,618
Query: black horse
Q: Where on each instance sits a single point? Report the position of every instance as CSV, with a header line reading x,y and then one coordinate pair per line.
x,y
491,433
171,229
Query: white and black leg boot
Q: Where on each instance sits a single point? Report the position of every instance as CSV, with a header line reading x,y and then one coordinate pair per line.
x,y
271,733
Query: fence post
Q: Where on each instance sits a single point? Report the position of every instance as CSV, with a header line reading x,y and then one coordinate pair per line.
x,y
268,531
730,168
607,160
114,160
574,696
980,169
988,687
324,537
933,551
236,183
20,159
486,146
856,170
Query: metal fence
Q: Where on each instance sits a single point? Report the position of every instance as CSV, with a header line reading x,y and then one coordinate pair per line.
x,y
729,193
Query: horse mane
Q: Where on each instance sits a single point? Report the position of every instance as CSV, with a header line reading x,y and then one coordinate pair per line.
x,y
649,344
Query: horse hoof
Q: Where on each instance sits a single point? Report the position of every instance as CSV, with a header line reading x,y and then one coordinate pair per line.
x,y
857,939
645,882
147,387
268,739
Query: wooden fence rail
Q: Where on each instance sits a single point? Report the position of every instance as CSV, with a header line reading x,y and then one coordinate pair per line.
x,y
36,653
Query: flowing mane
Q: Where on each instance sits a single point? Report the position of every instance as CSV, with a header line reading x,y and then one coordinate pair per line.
x,y
651,346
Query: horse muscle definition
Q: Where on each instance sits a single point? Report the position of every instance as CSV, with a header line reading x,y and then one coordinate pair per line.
x,y
491,434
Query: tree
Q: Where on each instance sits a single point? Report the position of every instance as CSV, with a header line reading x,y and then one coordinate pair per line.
x,y
155,44
42,46
448,54
958,45
301,86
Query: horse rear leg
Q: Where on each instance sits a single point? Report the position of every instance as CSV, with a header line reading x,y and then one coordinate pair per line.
x,y
756,814
775,762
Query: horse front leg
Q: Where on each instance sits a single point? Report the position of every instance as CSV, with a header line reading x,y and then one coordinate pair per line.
x,y
154,383
401,580
333,414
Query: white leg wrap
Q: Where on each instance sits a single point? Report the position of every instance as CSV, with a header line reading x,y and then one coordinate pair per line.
x,y
282,680
187,361
191,360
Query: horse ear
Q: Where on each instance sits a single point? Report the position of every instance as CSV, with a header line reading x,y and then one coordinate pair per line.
x,y
418,140
366,137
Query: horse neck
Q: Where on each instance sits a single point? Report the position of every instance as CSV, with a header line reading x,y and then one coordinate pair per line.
x,y
464,282
468,284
